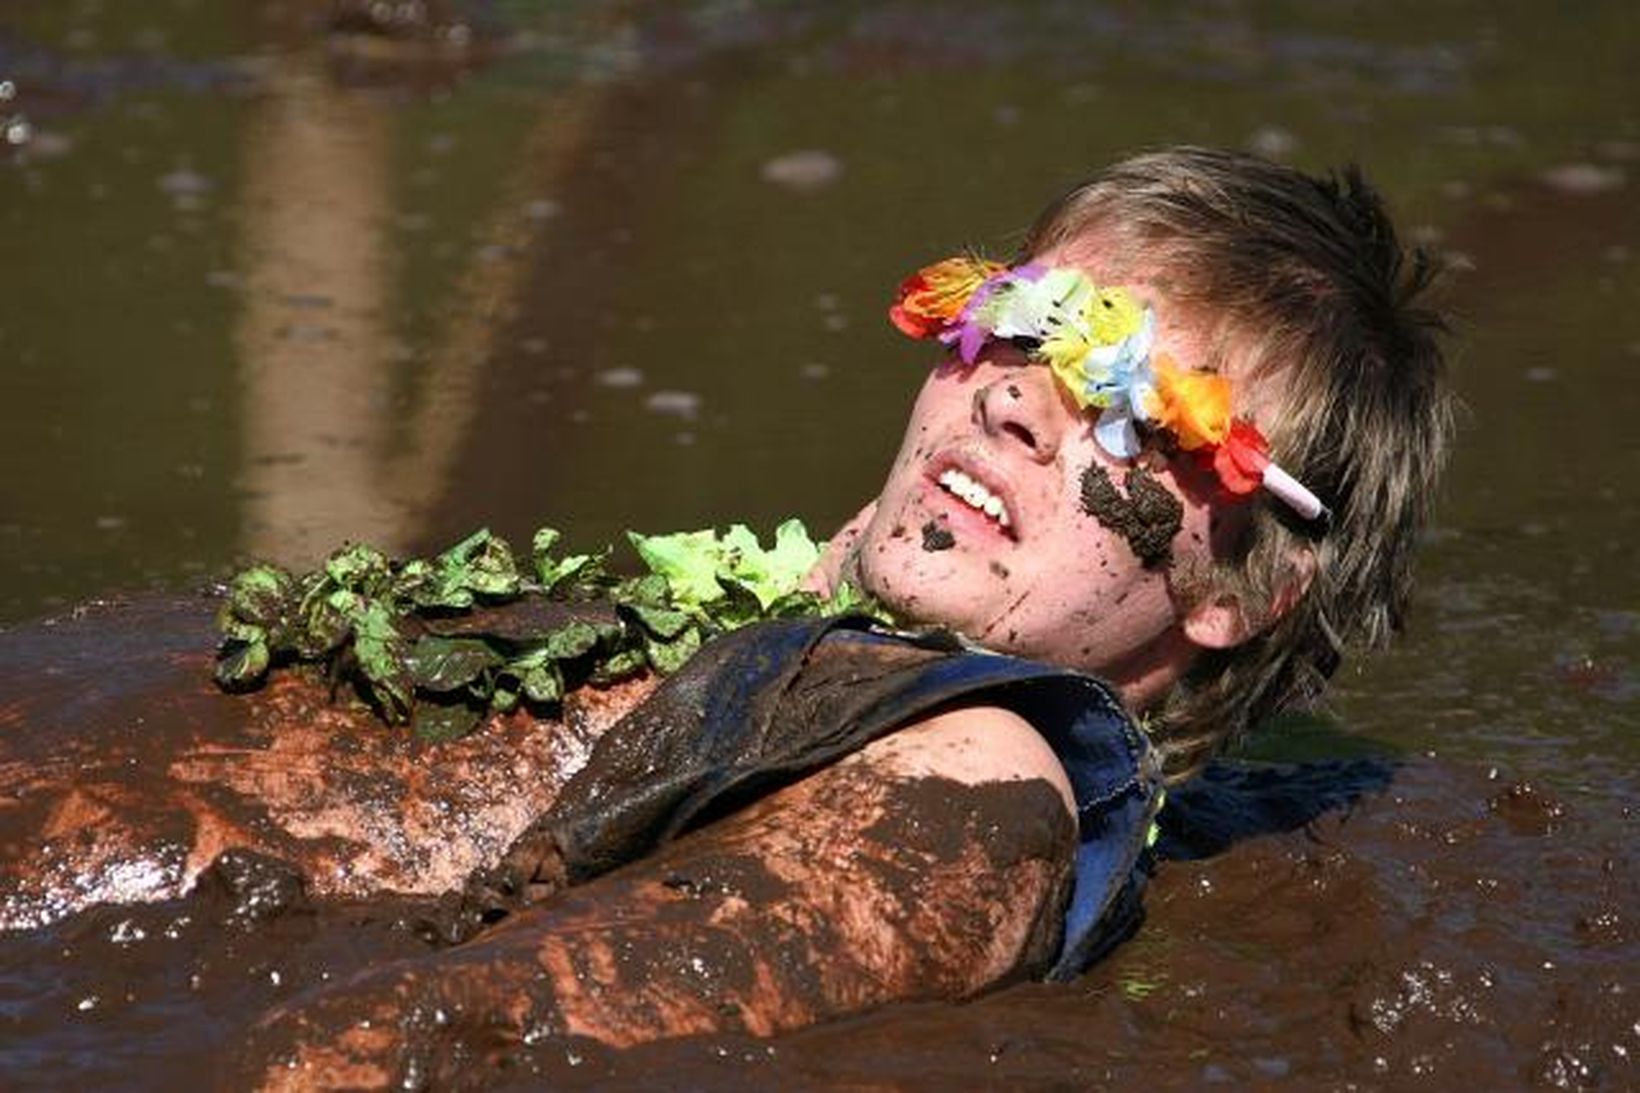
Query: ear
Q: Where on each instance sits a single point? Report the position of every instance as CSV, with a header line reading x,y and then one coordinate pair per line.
x,y
824,576
1222,620
1217,622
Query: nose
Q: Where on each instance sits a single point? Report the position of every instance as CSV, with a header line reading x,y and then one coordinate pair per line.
x,y
1023,408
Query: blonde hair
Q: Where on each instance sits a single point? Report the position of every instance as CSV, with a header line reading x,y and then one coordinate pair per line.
x,y
1304,279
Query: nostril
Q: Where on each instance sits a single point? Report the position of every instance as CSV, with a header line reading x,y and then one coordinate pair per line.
x,y
1020,433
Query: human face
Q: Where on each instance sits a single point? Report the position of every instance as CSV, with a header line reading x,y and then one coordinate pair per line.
x,y
1024,564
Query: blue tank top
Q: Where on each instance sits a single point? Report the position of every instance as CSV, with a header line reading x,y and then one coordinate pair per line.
x,y
762,706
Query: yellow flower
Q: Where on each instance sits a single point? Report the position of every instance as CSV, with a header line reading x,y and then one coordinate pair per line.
x,y
1113,314
1194,405
1066,352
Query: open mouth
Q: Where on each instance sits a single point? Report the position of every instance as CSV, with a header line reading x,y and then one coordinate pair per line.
x,y
977,496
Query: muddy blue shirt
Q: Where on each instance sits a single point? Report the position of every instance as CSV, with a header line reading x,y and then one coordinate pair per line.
x,y
760,707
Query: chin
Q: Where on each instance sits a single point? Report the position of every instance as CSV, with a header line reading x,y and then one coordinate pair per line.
x,y
916,596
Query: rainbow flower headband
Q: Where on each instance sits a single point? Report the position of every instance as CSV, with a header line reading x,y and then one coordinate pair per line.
x,y
1098,342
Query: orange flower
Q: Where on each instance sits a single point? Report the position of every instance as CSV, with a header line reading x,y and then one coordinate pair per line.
x,y
1241,459
1194,405
932,298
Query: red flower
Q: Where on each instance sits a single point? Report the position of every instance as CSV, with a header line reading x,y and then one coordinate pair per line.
x,y
1241,458
931,299
912,321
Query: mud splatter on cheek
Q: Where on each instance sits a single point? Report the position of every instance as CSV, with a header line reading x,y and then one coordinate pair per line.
x,y
999,569
937,538
1148,517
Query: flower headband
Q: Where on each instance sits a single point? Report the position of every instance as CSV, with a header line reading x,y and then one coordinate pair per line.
x,y
1098,342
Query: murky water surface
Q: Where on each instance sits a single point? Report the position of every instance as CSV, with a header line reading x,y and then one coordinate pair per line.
x,y
277,275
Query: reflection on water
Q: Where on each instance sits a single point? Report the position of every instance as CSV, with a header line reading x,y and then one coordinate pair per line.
x,y
329,454
313,332
273,277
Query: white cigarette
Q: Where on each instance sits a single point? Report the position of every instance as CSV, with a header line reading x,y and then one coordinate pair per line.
x,y
1293,492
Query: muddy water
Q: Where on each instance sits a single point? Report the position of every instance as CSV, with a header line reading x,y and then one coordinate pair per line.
x,y
271,279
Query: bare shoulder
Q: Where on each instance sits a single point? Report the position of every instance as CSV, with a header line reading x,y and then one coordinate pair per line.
x,y
972,745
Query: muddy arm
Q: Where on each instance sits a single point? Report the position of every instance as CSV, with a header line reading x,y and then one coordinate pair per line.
x,y
125,771
931,865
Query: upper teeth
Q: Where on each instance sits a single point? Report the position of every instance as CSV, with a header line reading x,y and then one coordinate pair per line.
x,y
975,494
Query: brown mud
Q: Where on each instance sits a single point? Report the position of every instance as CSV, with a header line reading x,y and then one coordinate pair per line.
x,y
126,772
1447,929
776,918
1437,934
937,537
1148,517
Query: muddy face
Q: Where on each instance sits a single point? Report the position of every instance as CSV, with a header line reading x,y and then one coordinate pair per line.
x,y
1039,562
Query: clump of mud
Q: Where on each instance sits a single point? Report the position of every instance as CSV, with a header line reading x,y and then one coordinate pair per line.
x,y
1148,517
937,537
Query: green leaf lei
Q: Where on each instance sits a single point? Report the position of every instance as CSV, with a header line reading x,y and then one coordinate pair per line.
x,y
406,635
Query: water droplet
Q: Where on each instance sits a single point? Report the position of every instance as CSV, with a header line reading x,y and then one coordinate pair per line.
x,y
185,183
684,404
1581,179
1272,142
807,169
620,377
542,209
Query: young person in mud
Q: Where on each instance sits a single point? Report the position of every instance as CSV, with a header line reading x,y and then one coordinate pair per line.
x,y
1183,444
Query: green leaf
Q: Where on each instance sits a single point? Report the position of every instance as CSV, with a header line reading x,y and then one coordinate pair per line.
x,y
360,567
438,723
420,583
234,630
443,664
260,596
628,662
793,556
482,564
688,560
243,666
738,606
323,620
577,569
381,656
571,641
491,571
543,683
793,604
554,573
848,600
663,622
650,590
770,574
541,546
504,698
667,657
